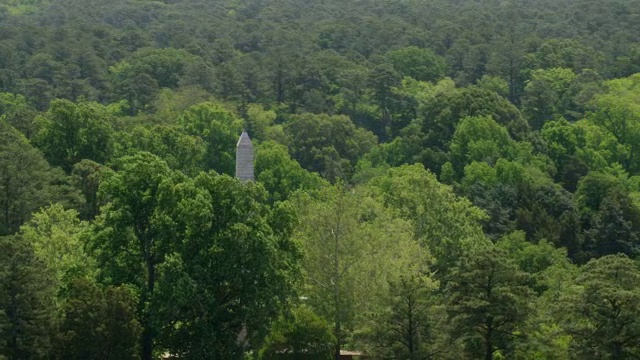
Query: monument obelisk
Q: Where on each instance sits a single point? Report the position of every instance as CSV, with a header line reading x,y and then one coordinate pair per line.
x,y
244,158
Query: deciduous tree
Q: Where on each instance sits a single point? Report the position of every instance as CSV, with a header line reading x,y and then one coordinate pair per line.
x,y
280,174
351,246
135,232
329,145
219,128
446,224
71,132
420,64
231,273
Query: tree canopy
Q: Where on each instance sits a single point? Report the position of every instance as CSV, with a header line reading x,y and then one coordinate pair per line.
x,y
433,179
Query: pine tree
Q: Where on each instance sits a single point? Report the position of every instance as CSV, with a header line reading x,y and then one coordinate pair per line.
x,y
27,308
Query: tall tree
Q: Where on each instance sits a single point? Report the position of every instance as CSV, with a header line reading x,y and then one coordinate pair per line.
x,y
134,233
206,253
86,177
406,327
232,271
614,227
487,298
138,78
440,115
618,113
27,308
544,95
18,113
351,245
604,323
27,182
480,139
382,79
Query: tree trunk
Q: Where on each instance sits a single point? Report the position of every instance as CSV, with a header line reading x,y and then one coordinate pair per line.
x,y
147,341
147,333
488,344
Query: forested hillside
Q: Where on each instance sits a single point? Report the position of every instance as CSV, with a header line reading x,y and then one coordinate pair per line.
x,y
435,179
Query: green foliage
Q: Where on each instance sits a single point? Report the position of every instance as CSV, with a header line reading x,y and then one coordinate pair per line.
x,y
300,334
547,211
562,140
480,139
231,272
27,308
180,151
70,132
219,128
56,235
194,264
328,145
618,112
15,110
382,79
594,188
98,323
86,177
516,196
138,78
447,174
259,121
352,247
544,95
564,53
614,227
534,259
487,297
445,223
424,92
605,324
441,115
280,175
28,182
495,84
405,329
135,232
169,104
420,64
25,7
165,66
530,119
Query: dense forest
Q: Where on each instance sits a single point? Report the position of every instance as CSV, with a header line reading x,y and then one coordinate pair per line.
x,y
435,179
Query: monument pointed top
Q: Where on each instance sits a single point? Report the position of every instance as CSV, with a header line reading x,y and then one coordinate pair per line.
x,y
244,140
244,158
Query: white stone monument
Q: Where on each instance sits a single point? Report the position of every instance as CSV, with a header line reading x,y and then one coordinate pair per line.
x,y
244,158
